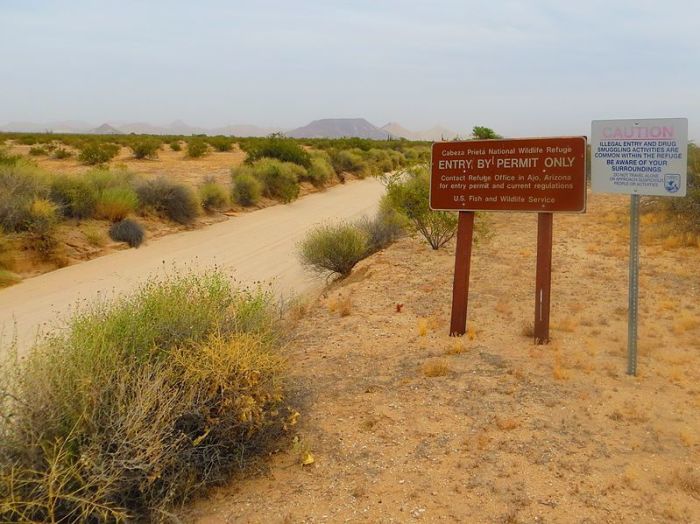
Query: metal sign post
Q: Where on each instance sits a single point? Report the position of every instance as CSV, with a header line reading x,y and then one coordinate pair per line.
x,y
633,307
460,287
543,277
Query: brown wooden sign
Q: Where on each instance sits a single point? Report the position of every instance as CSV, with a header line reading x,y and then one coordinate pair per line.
x,y
525,174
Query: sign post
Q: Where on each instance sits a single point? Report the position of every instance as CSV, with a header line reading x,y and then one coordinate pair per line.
x,y
541,175
638,157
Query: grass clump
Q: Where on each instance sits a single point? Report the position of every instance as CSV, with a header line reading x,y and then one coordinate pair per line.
x,y
175,201
20,185
128,231
213,196
408,194
96,153
145,148
334,247
278,147
141,404
197,148
116,203
247,189
41,227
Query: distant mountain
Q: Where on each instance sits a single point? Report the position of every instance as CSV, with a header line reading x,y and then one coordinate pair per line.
x,y
339,128
244,130
396,130
105,129
141,128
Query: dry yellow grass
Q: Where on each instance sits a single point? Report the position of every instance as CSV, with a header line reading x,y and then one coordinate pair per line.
x,y
435,367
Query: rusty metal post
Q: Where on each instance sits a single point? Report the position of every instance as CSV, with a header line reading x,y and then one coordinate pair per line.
x,y
460,286
543,278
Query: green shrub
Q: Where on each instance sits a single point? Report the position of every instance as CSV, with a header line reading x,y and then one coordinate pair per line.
x,y
321,171
280,180
408,194
685,211
175,145
175,201
6,159
347,161
76,197
94,153
128,231
145,148
246,188
213,196
28,140
61,154
221,143
197,148
383,230
41,227
38,151
20,185
279,147
141,404
102,179
334,247
116,203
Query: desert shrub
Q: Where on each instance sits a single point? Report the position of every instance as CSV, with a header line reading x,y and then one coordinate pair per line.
x,y
246,188
96,153
685,211
61,153
141,403
320,171
280,180
27,140
128,231
7,159
145,148
221,143
175,145
41,227
175,201
383,230
212,195
102,179
347,161
76,197
334,247
278,147
20,185
38,151
115,203
408,194
197,148
417,154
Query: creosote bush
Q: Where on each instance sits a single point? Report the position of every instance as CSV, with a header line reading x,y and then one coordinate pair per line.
x,y
278,147
197,148
61,153
145,148
334,247
175,145
279,180
247,189
97,153
128,231
175,201
75,196
320,171
141,403
212,195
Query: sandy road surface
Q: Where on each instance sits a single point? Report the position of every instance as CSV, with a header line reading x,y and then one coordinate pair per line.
x,y
257,246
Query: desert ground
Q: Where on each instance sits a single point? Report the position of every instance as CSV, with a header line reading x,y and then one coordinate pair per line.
x,y
401,423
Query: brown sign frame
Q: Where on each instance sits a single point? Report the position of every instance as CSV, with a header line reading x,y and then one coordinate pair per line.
x,y
478,165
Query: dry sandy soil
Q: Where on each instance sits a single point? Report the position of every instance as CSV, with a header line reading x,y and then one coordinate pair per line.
x,y
405,423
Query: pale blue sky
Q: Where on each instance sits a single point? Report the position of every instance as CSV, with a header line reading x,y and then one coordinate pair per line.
x,y
541,67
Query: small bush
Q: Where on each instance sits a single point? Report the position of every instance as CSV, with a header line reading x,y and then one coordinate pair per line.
x,y
213,196
116,203
278,147
175,145
75,196
61,154
145,148
385,229
336,248
349,161
20,185
41,227
408,194
280,180
321,171
246,188
197,148
175,201
38,151
6,159
221,143
94,154
141,404
128,231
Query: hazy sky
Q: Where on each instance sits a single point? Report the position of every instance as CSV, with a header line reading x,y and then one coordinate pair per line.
x,y
542,67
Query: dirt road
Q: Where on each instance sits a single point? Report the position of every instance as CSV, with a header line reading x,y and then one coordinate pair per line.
x,y
257,246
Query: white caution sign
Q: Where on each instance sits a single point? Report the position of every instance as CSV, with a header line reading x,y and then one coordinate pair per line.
x,y
640,157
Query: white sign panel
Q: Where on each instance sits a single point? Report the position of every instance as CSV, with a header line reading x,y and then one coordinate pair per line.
x,y
639,157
